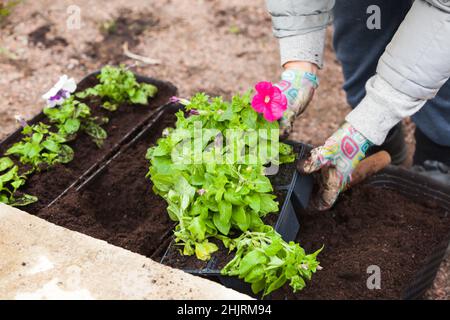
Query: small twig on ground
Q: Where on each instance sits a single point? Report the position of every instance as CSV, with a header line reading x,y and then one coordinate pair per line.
x,y
137,57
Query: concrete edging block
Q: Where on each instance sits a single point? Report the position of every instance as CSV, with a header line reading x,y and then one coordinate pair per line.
x,y
40,260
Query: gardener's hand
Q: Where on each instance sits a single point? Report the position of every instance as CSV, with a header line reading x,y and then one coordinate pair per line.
x,y
298,83
337,159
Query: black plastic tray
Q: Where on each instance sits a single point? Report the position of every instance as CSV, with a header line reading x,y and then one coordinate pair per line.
x,y
145,130
418,188
165,89
297,194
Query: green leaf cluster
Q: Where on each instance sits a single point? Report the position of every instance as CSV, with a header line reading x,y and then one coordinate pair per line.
x,y
267,262
118,85
72,116
213,196
43,146
10,182
40,148
213,199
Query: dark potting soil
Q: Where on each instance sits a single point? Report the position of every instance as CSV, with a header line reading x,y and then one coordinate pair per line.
x,y
285,171
220,258
48,184
368,226
118,205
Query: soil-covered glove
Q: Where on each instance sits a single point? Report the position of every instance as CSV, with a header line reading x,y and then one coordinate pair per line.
x,y
337,159
298,87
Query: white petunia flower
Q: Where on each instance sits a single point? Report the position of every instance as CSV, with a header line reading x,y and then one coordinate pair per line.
x,y
60,91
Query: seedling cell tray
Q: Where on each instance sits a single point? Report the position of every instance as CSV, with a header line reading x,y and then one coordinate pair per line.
x,y
123,125
293,192
115,202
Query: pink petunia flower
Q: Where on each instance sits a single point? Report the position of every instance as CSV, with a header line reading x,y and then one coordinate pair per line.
x,y
269,100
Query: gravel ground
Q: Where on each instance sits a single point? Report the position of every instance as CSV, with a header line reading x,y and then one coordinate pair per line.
x,y
219,47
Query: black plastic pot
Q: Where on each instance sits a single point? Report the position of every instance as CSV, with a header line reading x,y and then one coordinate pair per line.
x,y
418,188
412,185
165,91
296,193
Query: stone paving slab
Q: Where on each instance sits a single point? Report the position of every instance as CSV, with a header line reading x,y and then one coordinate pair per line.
x,y
39,260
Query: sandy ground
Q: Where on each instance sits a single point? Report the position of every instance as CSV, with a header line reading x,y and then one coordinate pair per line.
x,y
219,47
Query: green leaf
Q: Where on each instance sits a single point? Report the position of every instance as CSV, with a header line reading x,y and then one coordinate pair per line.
x,y
250,260
37,137
225,210
249,117
262,184
32,150
8,176
4,198
72,126
204,250
95,131
17,183
233,197
139,97
222,225
198,228
278,283
65,154
297,283
149,89
82,111
241,218
274,247
255,221
24,200
254,201
256,274
185,190
268,204
51,145
5,163
258,286
110,106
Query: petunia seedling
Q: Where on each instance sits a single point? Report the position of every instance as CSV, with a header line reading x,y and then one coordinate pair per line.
x,y
73,116
215,196
267,262
10,182
118,85
41,147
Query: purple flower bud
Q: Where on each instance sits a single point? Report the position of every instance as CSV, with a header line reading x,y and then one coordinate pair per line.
x,y
184,102
21,120
201,191
174,99
194,112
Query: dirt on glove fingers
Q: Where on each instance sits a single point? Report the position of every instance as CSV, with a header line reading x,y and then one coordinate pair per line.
x,y
369,226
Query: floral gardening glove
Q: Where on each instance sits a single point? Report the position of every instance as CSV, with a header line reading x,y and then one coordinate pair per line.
x,y
298,87
337,159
